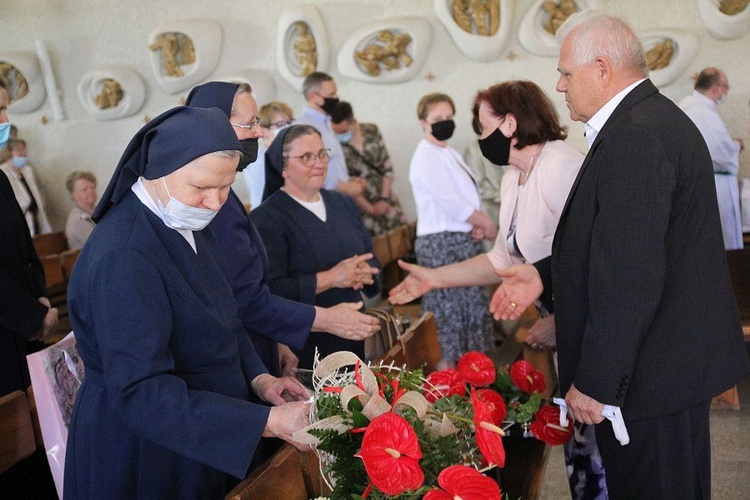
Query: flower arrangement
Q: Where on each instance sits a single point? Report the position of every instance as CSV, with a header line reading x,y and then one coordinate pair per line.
x,y
387,432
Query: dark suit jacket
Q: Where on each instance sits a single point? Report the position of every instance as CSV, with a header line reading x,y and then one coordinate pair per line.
x,y
645,314
21,284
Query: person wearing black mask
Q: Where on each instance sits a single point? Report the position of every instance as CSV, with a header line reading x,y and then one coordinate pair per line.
x,y
450,227
322,97
519,127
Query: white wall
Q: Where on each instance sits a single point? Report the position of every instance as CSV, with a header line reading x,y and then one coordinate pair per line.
x,y
83,35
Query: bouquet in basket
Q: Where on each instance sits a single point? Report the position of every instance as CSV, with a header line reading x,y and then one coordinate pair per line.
x,y
383,431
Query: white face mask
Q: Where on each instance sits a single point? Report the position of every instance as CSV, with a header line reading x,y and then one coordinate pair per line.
x,y
177,215
722,100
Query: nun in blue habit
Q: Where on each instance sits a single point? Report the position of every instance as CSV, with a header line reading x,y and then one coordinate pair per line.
x,y
270,319
164,409
320,252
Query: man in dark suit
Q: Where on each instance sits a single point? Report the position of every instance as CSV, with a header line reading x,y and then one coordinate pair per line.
x,y
645,314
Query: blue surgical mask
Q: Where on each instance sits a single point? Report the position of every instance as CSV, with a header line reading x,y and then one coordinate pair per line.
x,y
345,137
19,161
177,215
4,133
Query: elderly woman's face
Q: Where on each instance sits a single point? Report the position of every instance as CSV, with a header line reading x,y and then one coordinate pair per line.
x,y
202,183
304,171
84,194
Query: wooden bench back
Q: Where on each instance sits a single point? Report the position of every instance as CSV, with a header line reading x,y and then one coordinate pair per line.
x,y
17,439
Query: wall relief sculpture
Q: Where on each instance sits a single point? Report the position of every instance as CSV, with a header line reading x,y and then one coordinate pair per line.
x,y
669,53
540,23
725,19
477,16
21,75
183,53
301,44
264,88
111,92
479,28
386,51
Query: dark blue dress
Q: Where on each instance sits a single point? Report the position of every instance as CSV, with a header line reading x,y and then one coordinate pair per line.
x,y
268,318
300,245
163,411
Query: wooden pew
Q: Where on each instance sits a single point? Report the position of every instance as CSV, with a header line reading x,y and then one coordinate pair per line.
x,y
17,440
288,475
417,348
50,243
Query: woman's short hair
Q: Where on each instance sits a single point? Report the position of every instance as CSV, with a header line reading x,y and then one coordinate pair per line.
x,y
75,176
293,133
426,102
536,117
274,107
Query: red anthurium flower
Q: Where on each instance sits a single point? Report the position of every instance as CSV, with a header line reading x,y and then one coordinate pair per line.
x,y
444,383
391,454
496,402
546,426
466,483
488,434
526,377
476,368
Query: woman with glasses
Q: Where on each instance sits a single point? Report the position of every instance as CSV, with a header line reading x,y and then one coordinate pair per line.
x,y
319,251
273,117
450,229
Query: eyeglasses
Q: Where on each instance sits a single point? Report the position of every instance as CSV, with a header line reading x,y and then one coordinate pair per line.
x,y
308,159
253,123
281,123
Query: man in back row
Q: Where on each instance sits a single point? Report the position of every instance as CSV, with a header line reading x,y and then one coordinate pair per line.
x,y
645,315
321,95
711,89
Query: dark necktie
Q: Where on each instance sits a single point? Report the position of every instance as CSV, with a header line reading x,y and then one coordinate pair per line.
x,y
33,207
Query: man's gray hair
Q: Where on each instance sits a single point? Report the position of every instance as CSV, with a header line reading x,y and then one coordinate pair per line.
x,y
227,153
313,81
596,33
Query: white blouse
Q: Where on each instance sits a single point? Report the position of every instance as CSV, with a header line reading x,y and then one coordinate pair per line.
x,y
444,188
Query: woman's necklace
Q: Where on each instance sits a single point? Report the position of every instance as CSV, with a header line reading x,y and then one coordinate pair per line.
x,y
531,164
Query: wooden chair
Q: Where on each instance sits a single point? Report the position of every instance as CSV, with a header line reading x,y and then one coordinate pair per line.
x,y
50,243
288,475
67,261
17,440
400,241
53,274
382,249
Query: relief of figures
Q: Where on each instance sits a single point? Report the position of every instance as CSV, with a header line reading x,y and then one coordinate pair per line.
x,y
481,17
13,80
557,14
177,50
390,55
660,55
305,49
732,7
110,95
